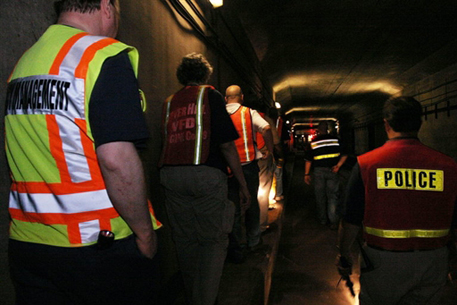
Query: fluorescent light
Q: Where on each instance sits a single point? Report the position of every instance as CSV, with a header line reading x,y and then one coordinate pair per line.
x,y
217,3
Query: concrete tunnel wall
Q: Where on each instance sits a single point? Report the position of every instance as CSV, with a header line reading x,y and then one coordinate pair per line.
x,y
437,94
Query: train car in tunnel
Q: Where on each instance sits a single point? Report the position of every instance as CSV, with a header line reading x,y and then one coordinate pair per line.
x,y
307,61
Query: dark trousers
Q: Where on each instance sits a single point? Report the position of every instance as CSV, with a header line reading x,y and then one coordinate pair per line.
x,y
86,275
252,214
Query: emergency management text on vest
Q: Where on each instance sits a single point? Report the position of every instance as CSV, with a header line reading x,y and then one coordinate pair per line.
x,y
39,94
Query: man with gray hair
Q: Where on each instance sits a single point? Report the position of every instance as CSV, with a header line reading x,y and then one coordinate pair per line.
x,y
198,146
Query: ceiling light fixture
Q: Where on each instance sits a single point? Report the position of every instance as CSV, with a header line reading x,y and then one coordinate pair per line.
x,y
217,3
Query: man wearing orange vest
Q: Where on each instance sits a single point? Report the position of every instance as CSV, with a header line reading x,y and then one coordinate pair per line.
x,y
198,146
404,196
247,122
81,229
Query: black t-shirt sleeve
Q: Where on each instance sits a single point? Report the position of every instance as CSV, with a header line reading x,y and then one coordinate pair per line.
x,y
115,112
222,128
355,198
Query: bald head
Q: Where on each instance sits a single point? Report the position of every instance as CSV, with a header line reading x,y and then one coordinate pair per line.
x,y
233,94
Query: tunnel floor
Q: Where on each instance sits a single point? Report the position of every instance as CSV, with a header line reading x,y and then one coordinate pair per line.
x,y
297,264
305,271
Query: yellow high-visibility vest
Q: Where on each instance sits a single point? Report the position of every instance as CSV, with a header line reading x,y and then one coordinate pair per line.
x,y
58,196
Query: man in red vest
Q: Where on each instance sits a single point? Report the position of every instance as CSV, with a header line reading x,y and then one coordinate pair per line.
x,y
198,147
247,122
404,195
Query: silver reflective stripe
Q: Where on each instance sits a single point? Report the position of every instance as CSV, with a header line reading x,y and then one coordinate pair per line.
x,y
89,231
73,58
199,127
167,116
72,203
324,143
245,135
73,150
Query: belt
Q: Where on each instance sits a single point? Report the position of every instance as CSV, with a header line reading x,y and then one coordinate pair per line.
x,y
400,251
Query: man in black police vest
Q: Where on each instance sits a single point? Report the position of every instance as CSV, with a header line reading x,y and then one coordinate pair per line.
x,y
404,193
327,156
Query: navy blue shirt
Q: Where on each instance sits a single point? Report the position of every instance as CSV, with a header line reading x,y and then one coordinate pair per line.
x,y
115,112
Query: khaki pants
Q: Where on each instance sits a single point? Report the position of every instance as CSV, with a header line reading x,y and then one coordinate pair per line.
x,y
201,218
404,278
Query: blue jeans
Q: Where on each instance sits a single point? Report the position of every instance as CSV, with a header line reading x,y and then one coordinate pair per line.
x,y
327,192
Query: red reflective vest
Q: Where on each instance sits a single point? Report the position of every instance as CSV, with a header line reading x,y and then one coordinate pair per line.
x,y
187,127
245,144
410,193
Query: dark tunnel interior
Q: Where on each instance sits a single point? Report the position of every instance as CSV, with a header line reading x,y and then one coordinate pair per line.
x,y
303,61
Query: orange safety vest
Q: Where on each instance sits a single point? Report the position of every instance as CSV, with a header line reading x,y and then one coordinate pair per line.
x,y
187,127
58,196
245,144
259,138
410,195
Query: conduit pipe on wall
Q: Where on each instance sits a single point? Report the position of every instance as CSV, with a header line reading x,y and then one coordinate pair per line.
x,y
214,41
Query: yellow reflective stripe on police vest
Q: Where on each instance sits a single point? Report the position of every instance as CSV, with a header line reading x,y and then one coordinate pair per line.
x,y
407,233
410,179
326,156
199,127
245,135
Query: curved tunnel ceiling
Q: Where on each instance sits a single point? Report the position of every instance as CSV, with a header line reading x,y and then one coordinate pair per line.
x,y
342,58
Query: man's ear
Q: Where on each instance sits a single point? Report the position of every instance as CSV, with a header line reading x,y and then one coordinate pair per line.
x,y
107,9
387,126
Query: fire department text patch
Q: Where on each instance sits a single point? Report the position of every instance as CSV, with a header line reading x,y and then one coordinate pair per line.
x,y
410,179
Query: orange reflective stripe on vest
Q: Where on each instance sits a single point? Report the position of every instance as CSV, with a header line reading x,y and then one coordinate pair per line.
x,y
245,143
58,195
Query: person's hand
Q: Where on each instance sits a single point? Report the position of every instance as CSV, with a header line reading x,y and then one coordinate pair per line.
x,y
344,265
308,179
265,154
147,245
245,198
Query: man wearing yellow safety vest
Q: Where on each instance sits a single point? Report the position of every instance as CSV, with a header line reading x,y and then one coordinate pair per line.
x,y
404,195
198,145
326,155
82,231
247,122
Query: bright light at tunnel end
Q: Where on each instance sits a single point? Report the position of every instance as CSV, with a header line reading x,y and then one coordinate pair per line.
x,y
217,3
